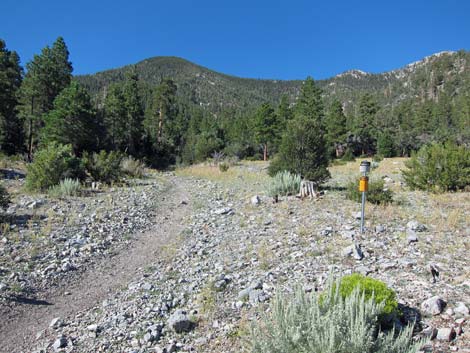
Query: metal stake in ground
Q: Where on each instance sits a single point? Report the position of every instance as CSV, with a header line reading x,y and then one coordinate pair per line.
x,y
363,187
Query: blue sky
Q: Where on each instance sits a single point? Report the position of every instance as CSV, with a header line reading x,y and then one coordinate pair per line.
x,y
258,39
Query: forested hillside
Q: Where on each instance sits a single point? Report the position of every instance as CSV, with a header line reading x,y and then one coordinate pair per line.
x,y
166,110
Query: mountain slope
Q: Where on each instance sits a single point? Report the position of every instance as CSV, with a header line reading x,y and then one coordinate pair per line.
x,y
447,72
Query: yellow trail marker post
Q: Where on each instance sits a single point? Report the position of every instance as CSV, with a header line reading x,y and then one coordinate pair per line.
x,y
363,187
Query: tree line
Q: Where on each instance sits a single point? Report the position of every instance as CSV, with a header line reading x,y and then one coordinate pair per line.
x,y
44,104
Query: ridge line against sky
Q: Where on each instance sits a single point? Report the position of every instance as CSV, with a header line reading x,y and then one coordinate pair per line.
x,y
252,39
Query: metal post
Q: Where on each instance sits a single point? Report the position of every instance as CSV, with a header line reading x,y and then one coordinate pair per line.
x,y
363,209
363,187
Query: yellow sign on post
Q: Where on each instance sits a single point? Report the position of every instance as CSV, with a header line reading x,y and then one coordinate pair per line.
x,y
363,184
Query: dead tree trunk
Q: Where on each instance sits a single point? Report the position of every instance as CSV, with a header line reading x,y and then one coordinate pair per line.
x,y
308,189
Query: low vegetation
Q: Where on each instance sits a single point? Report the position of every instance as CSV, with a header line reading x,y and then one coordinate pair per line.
x,y
51,165
66,188
4,197
328,323
104,166
439,168
284,183
377,193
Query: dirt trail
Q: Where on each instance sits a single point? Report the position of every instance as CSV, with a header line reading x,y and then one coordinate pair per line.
x,y
20,324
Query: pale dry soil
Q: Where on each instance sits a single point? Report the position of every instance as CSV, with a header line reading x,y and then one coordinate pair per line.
x,y
22,321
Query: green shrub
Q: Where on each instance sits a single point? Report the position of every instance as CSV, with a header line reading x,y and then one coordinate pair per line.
x,y
66,188
223,167
104,167
372,288
51,165
133,167
302,151
284,183
4,197
439,168
376,193
348,156
327,323
385,145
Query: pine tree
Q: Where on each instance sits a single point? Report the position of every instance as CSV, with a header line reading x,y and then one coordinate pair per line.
x,y
72,120
310,103
47,75
163,109
266,127
134,113
365,123
115,117
303,150
11,133
335,126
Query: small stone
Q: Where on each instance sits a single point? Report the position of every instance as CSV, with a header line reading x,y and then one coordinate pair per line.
x,y
379,228
93,328
354,251
462,310
255,200
223,211
445,334
411,236
179,321
433,306
56,323
430,332
59,343
415,226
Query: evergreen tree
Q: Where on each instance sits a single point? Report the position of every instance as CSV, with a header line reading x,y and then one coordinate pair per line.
x,y
47,75
303,150
335,126
115,117
284,112
310,103
134,114
365,124
72,120
11,133
163,109
266,128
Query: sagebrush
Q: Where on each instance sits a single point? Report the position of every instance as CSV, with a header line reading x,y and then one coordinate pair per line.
x,y
66,188
309,322
133,167
284,183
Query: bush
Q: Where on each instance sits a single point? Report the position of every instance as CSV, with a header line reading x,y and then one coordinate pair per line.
x,y
327,323
51,165
376,193
66,188
223,167
104,167
303,151
284,183
4,197
372,288
439,168
133,167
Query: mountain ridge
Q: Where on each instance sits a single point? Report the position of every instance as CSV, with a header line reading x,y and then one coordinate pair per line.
x,y
217,91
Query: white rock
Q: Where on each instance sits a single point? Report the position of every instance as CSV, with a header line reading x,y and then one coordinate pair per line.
x,y
255,200
433,306
445,334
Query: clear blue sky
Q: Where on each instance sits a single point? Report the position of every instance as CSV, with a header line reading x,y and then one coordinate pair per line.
x,y
259,39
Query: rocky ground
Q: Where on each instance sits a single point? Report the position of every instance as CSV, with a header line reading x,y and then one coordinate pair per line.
x,y
231,249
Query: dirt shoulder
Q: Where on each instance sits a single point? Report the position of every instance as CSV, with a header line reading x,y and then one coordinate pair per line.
x,y
24,320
